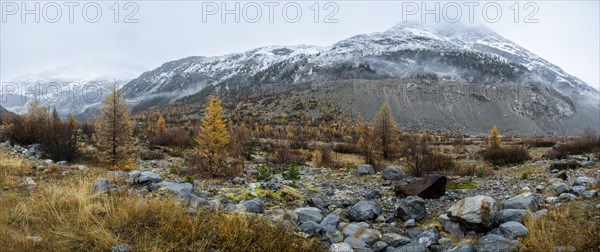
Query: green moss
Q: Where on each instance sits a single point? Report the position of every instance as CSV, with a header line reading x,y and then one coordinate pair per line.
x,y
468,184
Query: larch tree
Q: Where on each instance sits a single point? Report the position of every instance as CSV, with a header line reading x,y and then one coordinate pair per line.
x,y
213,137
494,137
386,131
114,129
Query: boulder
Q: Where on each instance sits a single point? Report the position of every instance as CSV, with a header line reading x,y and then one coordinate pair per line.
x,y
254,206
365,169
379,246
356,244
428,237
585,181
528,201
451,226
341,247
462,248
392,173
360,230
395,240
513,229
148,177
432,187
334,236
317,202
566,197
364,211
556,188
181,189
308,214
101,185
412,247
330,222
475,212
311,228
578,190
506,215
411,207
495,243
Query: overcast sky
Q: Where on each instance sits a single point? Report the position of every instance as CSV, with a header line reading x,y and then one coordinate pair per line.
x,y
567,33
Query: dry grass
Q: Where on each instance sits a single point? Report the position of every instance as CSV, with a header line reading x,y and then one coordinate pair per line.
x,y
574,224
68,217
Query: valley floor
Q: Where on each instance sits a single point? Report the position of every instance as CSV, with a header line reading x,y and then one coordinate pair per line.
x,y
45,206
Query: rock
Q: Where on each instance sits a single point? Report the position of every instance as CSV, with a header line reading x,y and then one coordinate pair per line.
x,y
310,227
392,173
540,213
34,239
411,207
360,230
409,223
528,201
432,187
40,167
365,169
181,189
48,161
547,155
30,183
474,212
356,244
148,177
493,242
61,163
379,246
506,215
556,188
308,214
412,247
565,197
395,240
462,248
121,248
334,236
578,190
238,181
564,249
341,247
551,200
585,181
451,226
587,163
513,229
330,222
364,211
428,237
443,241
101,185
317,202
254,206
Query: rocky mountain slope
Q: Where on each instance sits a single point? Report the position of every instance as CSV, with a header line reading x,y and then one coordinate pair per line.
x,y
451,77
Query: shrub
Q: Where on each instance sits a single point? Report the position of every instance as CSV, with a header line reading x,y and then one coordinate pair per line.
x,y
505,155
422,159
564,166
538,141
346,148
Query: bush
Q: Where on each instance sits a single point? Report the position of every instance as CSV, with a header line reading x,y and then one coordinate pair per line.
x,y
565,166
538,141
346,148
507,155
422,160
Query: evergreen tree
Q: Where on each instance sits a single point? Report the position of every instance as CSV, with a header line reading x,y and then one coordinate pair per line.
x,y
213,137
114,129
386,131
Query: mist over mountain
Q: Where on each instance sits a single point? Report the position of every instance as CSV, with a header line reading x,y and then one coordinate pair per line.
x,y
470,77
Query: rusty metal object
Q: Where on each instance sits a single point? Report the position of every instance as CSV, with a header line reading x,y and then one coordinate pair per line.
x,y
432,187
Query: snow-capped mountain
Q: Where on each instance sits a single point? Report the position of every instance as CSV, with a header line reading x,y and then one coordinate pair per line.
x,y
71,89
531,94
